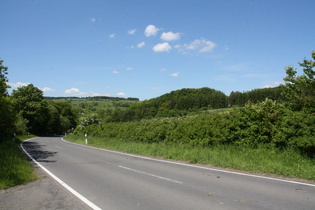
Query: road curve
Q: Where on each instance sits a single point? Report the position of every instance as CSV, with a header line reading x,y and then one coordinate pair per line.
x,y
113,180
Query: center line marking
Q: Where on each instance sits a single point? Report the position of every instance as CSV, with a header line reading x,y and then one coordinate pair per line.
x,y
153,175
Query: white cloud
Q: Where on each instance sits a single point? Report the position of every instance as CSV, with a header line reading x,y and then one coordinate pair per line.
x,y
200,45
151,30
129,68
175,74
74,91
163,69
115,72
141,44
112,35
162,47
276,84
47,89
121,94
132,31
170,36
18,84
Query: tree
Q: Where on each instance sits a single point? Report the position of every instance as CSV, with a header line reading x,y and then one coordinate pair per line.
x,y
3,79
30,104
7,114
300,90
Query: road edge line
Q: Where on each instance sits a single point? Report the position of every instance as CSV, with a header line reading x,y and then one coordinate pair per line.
x,y
196,166
78,195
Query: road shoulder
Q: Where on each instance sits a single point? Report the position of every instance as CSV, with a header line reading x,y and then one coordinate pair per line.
x,y
44,193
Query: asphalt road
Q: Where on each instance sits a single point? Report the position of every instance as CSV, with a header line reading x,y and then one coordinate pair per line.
x,y
111,180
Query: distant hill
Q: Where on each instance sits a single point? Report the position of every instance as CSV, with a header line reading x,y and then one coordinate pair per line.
x,y
92,98
96,103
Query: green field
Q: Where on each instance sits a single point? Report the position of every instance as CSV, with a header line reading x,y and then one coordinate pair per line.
x,y
94,104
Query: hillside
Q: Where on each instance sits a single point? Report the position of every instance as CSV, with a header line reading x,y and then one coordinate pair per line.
x,y
97,103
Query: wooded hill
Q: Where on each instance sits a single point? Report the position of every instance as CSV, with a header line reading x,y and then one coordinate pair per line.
x,y
180,102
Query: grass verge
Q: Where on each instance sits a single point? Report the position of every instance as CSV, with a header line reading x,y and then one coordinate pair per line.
x,y
288,163
15,169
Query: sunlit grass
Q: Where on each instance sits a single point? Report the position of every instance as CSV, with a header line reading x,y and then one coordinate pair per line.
x,y
287,162
15,169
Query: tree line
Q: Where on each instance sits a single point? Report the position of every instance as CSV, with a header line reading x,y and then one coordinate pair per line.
x,y
26,111
180,102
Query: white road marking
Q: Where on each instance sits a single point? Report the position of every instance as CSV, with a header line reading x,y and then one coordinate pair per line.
x,y
58,147
81,197
195,166
153,175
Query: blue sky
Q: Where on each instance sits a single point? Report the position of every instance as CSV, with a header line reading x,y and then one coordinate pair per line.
x,y
146,48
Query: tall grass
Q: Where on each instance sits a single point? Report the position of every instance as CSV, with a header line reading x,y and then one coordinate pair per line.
x,y
289,163
15,169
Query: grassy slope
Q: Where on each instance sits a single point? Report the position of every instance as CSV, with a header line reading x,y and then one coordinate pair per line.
x,y
96,103
15,169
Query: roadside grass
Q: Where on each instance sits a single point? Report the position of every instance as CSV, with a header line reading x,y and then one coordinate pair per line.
x,y
15,169
288,163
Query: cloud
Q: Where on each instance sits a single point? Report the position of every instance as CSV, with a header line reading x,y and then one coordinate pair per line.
x,y
276,84
162,47
132,31
121,94
163,69
129,68
74,91
115,72
112,35
151,30
141,44
47,89
200,45
175,74
18,84
170,36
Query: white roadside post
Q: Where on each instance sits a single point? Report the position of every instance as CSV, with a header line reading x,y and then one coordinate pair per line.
x,y
86,141
14,136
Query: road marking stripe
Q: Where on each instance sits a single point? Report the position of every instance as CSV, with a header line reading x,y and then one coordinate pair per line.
x,y
153,175
81,197
195,166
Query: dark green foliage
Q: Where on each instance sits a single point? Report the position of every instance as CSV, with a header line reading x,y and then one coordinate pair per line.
x,y
269,124
7,113
28,102
7,117
41,117
175,103
257,95
3,79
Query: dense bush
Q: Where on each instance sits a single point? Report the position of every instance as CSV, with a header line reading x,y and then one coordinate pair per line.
x,y
269,124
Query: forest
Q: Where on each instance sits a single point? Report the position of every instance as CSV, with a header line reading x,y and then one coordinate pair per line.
x,y
277,117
